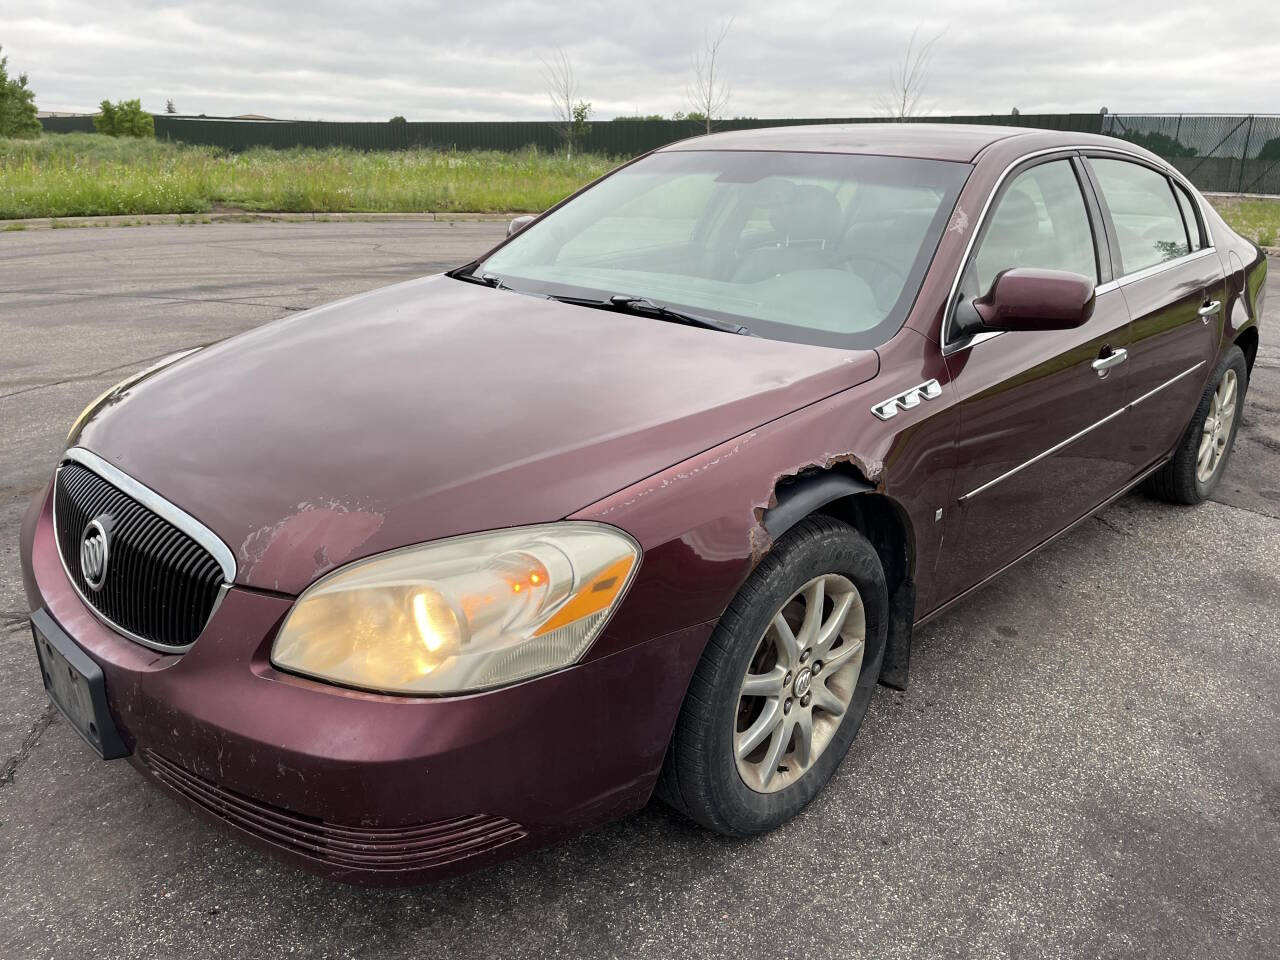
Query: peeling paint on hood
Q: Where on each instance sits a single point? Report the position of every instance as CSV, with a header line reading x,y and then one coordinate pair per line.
x,y
330,534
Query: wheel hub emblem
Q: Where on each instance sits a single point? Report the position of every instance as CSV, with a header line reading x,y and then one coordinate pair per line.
x,y
95,550
803,682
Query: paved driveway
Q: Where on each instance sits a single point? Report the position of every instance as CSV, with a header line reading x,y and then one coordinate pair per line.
x,y
1085,765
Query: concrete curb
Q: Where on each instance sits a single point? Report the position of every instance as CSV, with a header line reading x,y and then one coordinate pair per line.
x,y
243,216
249,216
1220,195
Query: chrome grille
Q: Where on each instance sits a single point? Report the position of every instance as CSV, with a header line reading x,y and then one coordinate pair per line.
x,y
160,585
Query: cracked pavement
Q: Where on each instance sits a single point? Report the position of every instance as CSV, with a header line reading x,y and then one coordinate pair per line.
x,y
1085,762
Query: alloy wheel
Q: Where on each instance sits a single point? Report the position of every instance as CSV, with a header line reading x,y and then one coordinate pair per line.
x,y
1217,427
799,683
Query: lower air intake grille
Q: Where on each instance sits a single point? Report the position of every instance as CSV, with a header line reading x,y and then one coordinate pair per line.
x,y
363,848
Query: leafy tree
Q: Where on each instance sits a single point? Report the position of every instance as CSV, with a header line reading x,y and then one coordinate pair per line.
x,y
581,113
1161,144
397,119
645,116
17,105
1270,150
124,118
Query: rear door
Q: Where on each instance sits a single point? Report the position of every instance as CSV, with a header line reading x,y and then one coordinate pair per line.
x,y
1039,444
1173,282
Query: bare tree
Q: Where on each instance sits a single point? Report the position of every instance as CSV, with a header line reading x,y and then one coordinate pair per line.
x,y
708,94
570,112
908,79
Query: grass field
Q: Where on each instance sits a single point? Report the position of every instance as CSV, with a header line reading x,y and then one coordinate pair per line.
x,y
1256,218
80,174
83,174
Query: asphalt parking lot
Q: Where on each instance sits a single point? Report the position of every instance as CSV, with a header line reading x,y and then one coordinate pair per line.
x,y
1085,764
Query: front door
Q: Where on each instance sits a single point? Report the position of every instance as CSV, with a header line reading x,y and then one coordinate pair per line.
x,y
1175,288
1039,440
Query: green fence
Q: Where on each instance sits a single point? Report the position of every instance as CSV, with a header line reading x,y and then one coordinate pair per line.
x,y
619,138
1228,153
616,138
67,124
1217,152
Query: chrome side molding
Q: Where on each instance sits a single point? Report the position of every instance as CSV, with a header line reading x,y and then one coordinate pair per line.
x,y
1076,436
929,390
1168,383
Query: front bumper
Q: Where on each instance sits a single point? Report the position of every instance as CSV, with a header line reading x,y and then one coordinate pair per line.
x,y
365,787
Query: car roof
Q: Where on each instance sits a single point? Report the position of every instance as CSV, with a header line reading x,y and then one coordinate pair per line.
x,y
960,142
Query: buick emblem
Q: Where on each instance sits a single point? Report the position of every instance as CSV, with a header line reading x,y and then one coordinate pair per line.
x,y
95,549
803,682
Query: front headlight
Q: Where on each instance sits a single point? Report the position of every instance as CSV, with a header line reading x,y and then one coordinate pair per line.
x,y
74,433
462,614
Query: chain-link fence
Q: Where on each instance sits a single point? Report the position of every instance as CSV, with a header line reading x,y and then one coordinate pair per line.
x,y
1227,153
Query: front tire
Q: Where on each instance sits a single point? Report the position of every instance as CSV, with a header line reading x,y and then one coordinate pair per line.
x,y
1200,459
782,687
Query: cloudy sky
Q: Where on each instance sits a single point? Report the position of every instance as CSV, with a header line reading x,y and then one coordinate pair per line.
x,y
368,60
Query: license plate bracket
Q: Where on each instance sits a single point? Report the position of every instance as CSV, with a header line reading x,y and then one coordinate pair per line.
x,y
76,686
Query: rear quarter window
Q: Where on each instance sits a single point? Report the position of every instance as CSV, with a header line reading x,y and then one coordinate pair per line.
x,y
1189,215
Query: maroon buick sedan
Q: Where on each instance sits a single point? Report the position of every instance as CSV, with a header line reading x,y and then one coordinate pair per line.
x,y
647,499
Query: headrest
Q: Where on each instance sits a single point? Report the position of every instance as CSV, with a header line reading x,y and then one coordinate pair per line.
x,y
811,213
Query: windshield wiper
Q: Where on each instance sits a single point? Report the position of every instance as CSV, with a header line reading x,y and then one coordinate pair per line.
x,y
646,307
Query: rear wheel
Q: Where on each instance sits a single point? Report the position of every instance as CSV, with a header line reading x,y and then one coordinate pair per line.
x,y
1200,459
783,684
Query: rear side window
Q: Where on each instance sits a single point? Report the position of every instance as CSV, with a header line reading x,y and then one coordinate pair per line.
x,y
1189,215
1039,221
1147,217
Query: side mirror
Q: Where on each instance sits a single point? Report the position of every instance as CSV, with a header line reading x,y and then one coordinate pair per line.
x,y
1026,298
519,223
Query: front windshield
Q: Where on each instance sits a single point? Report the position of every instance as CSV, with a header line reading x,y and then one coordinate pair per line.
x,y
809,247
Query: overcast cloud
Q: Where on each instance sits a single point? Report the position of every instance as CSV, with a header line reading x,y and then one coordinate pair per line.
x,y
317,59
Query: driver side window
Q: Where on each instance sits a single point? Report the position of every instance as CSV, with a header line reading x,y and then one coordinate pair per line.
x,y
1039,221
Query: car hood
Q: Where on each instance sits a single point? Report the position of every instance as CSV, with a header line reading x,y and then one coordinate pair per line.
x,y
434,408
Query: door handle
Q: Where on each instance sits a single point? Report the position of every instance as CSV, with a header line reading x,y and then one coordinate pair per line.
x,y
1112,359
1210,308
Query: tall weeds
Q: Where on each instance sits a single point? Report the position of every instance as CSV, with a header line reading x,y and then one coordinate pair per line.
x,y
88,174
